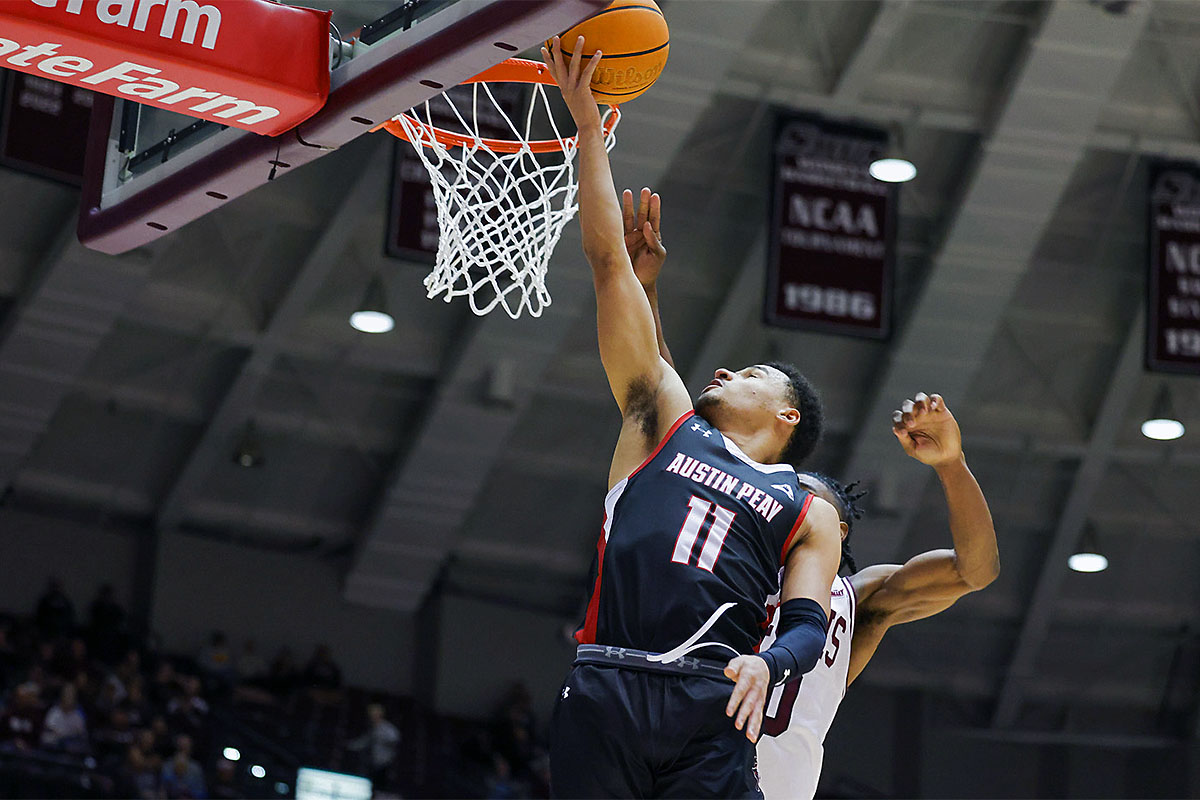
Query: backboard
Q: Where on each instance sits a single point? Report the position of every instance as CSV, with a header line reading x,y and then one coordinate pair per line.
x,y
150,171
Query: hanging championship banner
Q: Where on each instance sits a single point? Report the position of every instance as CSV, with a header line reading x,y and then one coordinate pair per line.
x,y
831,248
1173,269
412,217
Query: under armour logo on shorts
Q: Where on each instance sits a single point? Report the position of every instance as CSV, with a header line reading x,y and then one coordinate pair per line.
x,y
566,691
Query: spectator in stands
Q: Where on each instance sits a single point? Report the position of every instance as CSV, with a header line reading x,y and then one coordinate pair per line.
x,y
45,661
113,738
379,742
107,699
165,685
321,672
216,659
164,744
249,666
72,659
283,677
136,705
106,625
21,724
86,695
138,777
55,615
224,786
513,730
500,784
183,778
540,768
126,673
64,727
188,711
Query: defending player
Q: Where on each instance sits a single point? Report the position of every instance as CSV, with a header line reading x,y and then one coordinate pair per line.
x,y
701,514
864,605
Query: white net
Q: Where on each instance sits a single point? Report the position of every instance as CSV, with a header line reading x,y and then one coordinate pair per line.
x,y
499,214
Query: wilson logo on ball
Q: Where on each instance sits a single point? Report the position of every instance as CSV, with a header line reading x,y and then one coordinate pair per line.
x,y
632,35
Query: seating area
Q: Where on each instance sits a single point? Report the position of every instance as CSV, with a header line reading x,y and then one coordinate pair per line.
x,y
95,710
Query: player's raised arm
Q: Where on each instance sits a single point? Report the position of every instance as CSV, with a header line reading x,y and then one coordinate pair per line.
x,y
930,582
809,573
628,344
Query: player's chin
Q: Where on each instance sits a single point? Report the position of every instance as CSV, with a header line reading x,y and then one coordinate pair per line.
x,y
708,399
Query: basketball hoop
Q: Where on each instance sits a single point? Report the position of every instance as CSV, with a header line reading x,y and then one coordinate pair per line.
x,y
502,200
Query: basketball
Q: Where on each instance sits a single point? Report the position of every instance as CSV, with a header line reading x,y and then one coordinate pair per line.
x,y
633,36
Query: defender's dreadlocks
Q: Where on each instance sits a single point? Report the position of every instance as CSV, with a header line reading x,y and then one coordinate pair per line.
x,y
848,511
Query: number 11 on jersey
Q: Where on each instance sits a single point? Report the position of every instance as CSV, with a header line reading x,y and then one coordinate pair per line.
x,y
698,513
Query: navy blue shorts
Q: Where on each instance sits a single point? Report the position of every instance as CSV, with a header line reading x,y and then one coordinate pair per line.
x,y
620,732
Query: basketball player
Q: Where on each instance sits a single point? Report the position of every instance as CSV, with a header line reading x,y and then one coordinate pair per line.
x,y
864,605
701,515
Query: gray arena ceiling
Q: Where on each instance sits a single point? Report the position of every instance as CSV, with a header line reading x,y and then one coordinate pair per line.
x,y
473,452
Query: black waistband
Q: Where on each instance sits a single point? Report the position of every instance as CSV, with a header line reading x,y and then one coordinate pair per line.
x,y
627,658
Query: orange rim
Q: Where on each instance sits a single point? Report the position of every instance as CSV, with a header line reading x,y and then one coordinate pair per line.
x,y
512,70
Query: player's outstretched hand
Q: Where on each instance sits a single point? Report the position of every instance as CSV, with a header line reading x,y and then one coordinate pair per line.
x,y
927,430
642,238
574,79
752,684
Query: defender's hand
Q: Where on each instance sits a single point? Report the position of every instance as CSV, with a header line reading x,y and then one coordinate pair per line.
x,y
927,430
642,238
574,79
752,686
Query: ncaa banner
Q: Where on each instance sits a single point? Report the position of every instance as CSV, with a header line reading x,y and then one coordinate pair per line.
x,y
831,248
253,64
1173,269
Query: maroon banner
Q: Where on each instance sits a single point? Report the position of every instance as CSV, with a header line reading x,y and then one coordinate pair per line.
x,y
832,231
412,219
44,127
1173,269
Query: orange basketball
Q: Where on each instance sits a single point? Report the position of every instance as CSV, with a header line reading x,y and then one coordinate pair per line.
x,y
633,36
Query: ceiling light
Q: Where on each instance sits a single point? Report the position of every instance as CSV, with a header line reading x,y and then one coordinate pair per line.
x,y
231,753
248,453
892,170
372,315
1162,424
1087,557
258,772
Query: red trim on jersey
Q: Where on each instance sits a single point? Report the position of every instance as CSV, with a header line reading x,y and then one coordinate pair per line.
x,y
661,444
587,634
787,545
853,603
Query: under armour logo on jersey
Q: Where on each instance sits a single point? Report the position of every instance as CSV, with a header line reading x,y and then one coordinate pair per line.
x,y
697,427
783,487
566,691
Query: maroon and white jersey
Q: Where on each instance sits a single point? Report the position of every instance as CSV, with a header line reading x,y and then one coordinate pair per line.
x,y
798,714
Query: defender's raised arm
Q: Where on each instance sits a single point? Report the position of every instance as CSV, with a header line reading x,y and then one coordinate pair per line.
x,y
931,582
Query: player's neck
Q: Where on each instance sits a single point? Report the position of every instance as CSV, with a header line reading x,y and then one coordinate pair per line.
x,y
758,445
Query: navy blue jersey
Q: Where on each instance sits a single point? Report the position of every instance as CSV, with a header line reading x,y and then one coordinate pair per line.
x,y
698,525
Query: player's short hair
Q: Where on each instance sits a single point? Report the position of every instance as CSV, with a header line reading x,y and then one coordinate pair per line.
x,y
804,397
846,502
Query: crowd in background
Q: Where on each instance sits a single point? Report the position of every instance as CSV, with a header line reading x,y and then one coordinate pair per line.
x,y
97,694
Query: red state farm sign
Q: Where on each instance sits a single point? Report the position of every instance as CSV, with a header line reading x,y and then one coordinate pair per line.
x,y
252,64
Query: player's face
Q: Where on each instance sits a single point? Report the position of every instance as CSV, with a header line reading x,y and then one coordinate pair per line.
x,y
755,394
